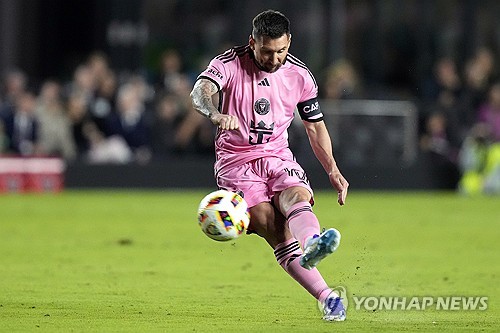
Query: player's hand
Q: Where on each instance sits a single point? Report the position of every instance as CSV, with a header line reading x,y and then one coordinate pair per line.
x,y
341,185
225,121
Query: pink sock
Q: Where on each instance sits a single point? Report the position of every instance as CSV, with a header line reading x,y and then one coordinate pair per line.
x,y
302,222
287,254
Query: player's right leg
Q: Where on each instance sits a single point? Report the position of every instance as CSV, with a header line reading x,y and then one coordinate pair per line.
x,y
269,223
294,202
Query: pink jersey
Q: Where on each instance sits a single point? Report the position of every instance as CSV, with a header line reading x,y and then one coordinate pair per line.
x,y
263,102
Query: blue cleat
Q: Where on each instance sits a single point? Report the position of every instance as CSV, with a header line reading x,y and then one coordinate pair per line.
x,y
318,247
333,309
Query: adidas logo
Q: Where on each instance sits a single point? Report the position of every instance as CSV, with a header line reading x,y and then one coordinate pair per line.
x,y
264,83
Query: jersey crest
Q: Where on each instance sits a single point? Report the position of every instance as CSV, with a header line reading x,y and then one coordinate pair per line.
x,y
262,106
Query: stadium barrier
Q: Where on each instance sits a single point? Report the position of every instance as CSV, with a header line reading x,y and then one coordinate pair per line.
x,y
31,174
423,174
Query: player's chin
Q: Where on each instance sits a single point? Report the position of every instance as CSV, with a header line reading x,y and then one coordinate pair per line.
x,y
274,68
271,68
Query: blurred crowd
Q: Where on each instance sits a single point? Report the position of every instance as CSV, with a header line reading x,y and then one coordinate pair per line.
x,y
459,114
461,119
101,116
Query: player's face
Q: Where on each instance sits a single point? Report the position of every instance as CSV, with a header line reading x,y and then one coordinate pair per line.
x,y
270,53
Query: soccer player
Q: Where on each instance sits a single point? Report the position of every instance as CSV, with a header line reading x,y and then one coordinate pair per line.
x,y
259,85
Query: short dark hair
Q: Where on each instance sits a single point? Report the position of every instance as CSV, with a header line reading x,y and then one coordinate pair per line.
x,y
270,23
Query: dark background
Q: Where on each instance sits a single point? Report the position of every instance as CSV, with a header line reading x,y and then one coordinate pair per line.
x,y
393,43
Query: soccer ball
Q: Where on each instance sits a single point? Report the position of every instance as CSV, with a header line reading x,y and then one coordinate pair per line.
x,y
223,215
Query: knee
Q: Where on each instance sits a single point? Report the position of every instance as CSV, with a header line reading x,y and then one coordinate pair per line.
x,y
291,196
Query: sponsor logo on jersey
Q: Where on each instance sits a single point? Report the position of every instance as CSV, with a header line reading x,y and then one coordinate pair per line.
x,y
260,133
215,73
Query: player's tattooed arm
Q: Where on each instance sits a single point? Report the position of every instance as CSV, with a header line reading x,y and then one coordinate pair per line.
x,y
202,97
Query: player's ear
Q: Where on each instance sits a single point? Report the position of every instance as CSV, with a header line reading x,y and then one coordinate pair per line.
x,y
251,42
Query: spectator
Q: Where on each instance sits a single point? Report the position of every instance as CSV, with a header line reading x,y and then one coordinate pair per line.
x,y
83,83
194,134
129,122
489,113
480,154
479,73
166,121
440,99
55,136
435,138
445,82
104,88
479,163
442,135
86,84
4,140
21,125
79,117
486,60
105,150
342,81
14,85
105,97
145,92
99,68
170,72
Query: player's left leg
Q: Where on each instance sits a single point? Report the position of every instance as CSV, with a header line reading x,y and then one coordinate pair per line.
x,y
268,223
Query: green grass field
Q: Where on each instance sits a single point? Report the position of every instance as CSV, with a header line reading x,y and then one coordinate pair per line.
x,y
137,261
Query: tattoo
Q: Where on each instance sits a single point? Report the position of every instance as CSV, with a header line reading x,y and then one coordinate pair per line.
x,y
202,97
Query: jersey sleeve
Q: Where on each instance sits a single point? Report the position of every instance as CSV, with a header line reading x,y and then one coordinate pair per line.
x,y
216,72
308,108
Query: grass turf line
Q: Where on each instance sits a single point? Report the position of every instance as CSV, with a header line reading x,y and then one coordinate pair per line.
x,y
137,261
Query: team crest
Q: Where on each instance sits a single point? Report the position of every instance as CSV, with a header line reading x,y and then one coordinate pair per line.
x,y
262,106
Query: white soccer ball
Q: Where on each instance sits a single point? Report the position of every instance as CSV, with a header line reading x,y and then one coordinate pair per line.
x,y
223,215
